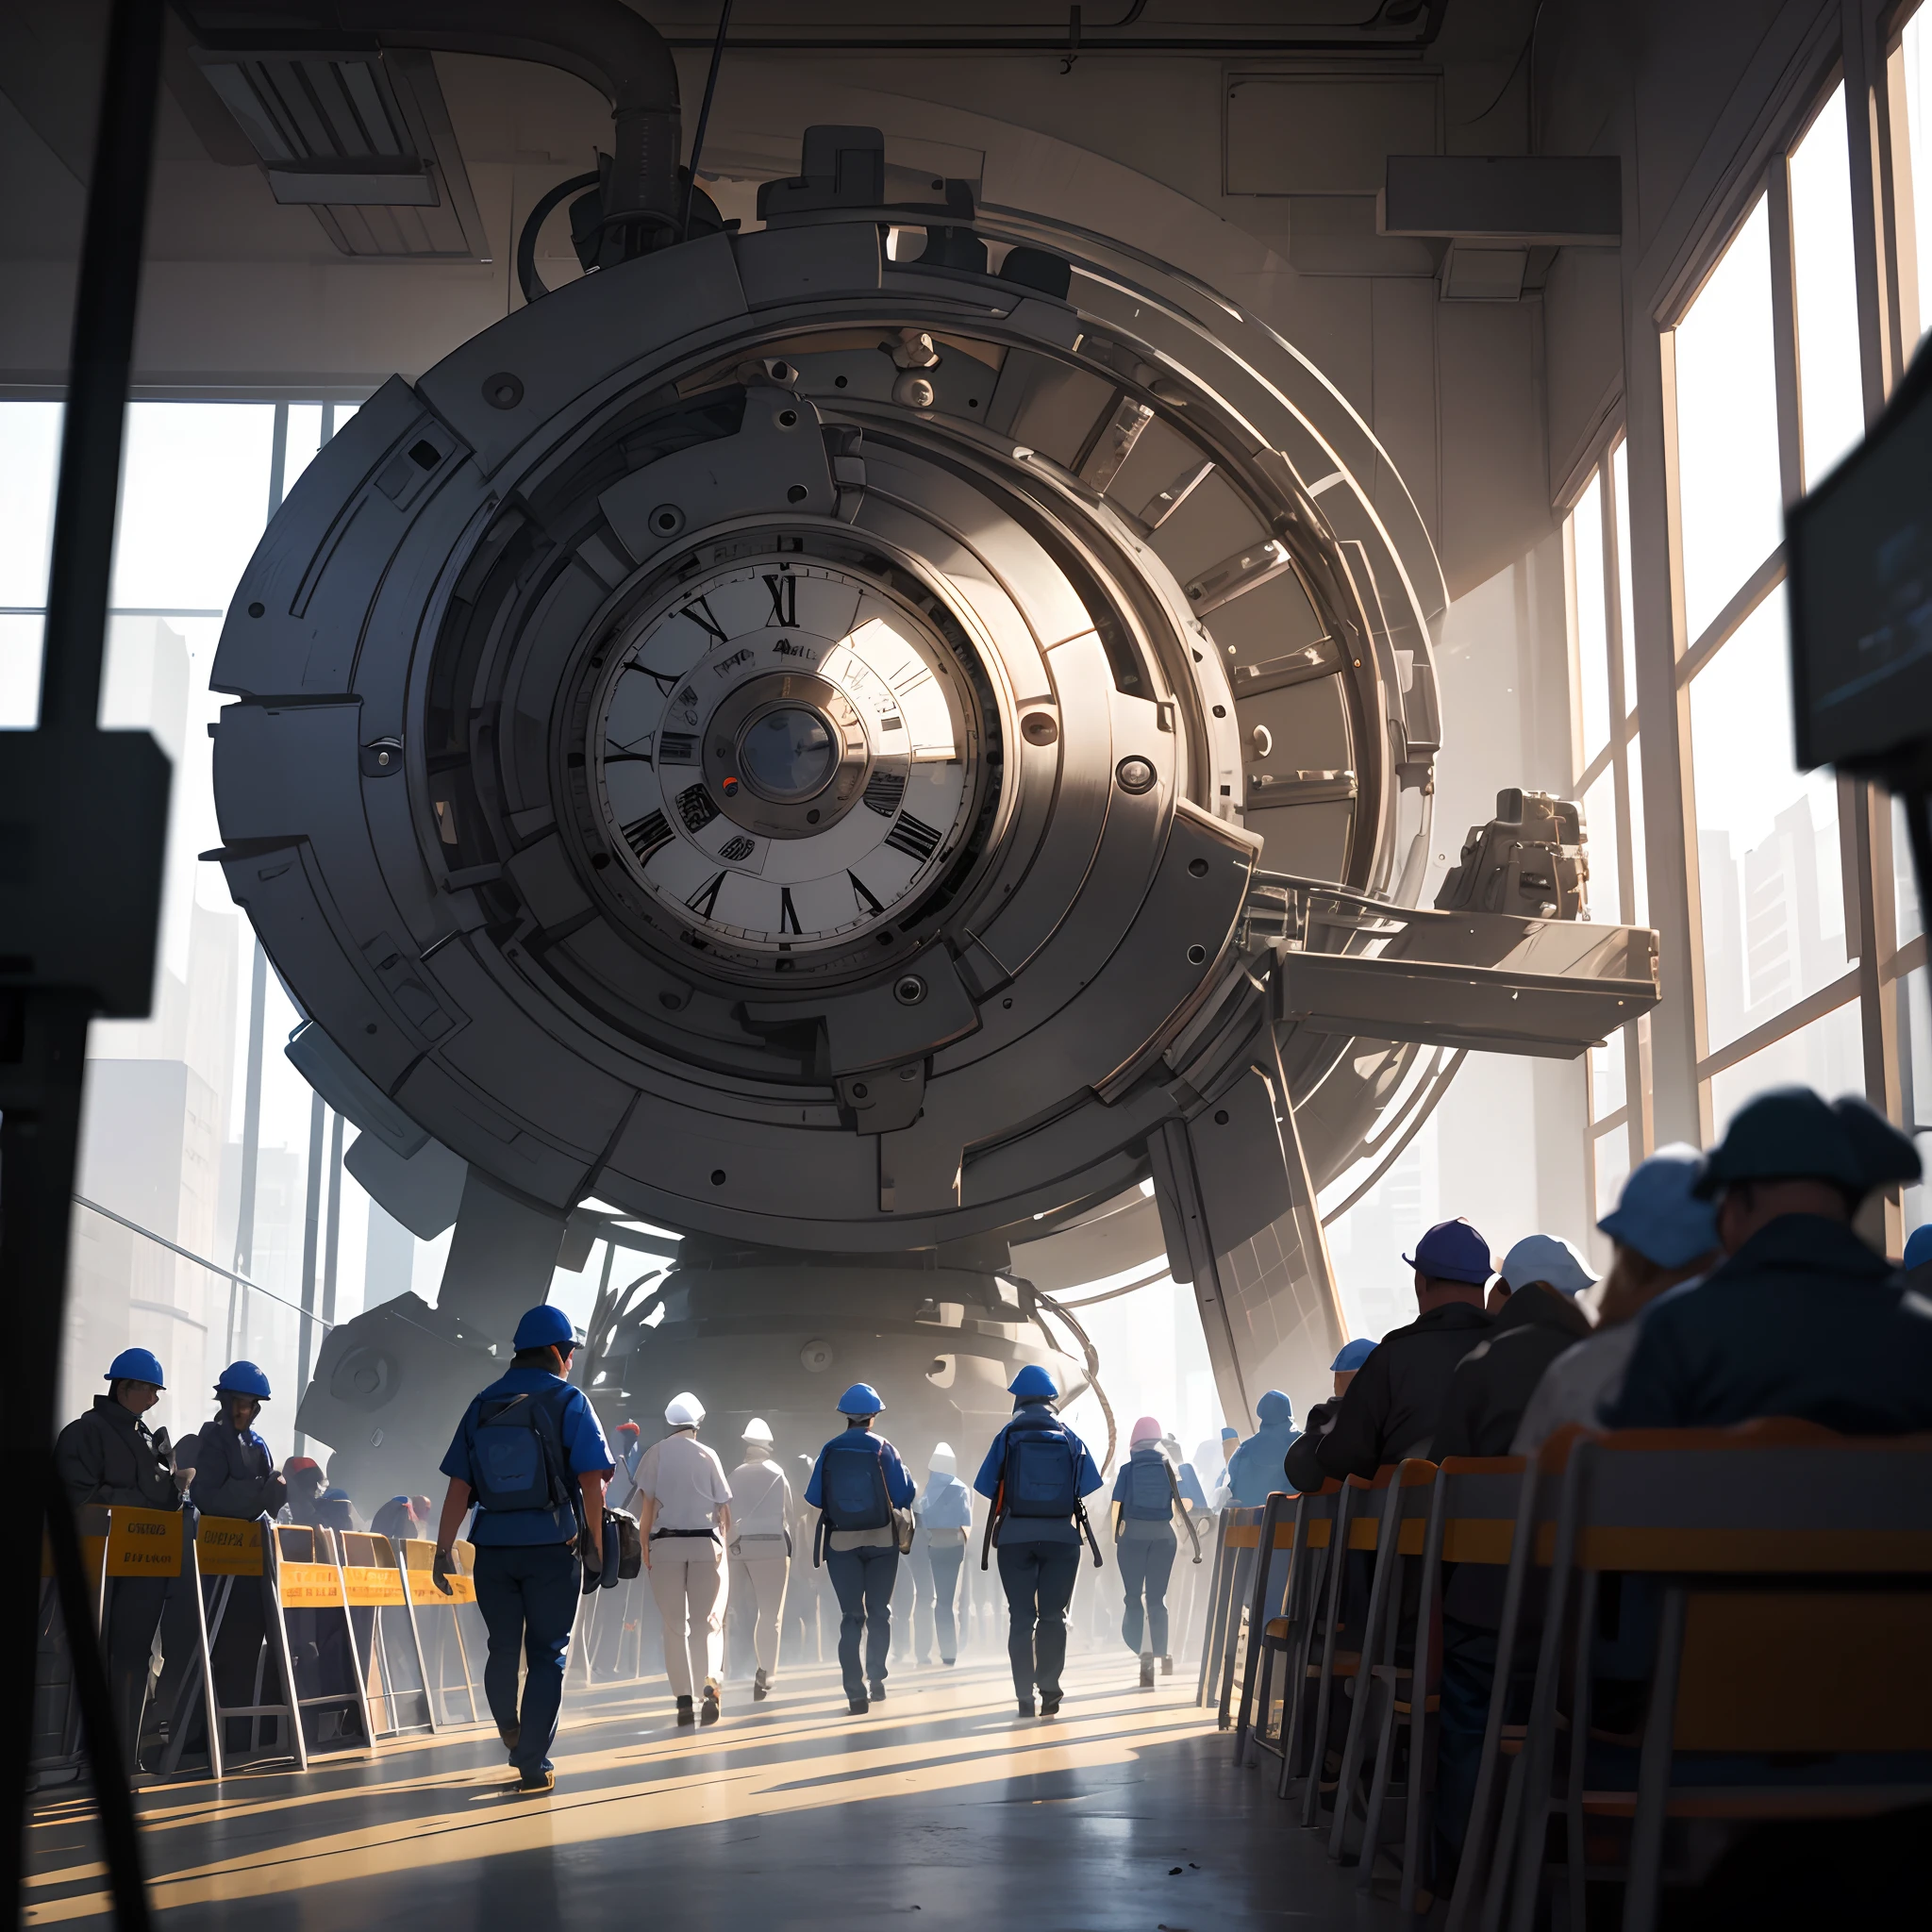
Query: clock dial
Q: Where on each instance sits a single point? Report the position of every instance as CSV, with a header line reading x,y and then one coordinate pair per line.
x,y
784,756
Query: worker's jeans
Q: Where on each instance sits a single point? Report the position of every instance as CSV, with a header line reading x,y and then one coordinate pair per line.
x,y
527,1593
689,1581
759,1570
1039,1582
946,1559
1146,1563
865,1579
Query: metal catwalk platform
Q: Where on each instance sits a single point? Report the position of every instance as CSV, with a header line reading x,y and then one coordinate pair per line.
x,y
938,1809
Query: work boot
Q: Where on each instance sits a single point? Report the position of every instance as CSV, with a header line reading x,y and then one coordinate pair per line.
x,y
1049,1704
878,1693
684,1714
1146,1670
759,1687
531,1784
1167,1667
708,1715
857,1705
1025,1707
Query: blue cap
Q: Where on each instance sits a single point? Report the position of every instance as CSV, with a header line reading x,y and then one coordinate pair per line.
x,y
1274,1408
1546,1258
1452,1251
1919,1245
136,1365
1791,1134
861,1399
1033,1384
242,1378
544,1327
1659,1215
1352,1355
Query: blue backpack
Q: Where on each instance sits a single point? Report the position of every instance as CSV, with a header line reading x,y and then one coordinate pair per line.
x,y
1042,1468
1150,1494
516,1453
854,1488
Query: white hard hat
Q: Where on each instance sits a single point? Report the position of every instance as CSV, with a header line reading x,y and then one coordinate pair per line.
x,y
684,1412
942,1459
757,1430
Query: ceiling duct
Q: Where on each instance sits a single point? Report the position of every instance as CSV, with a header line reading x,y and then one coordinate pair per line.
x,y
347,118
361,136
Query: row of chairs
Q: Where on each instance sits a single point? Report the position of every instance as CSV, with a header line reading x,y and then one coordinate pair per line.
x,y
1773,1583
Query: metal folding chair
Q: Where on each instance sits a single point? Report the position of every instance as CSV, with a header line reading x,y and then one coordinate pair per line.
x,y
1335,1664
1472,1508
1795,1578
1263,1641
1400,1529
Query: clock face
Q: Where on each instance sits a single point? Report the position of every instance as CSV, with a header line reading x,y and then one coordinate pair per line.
x,y
784,756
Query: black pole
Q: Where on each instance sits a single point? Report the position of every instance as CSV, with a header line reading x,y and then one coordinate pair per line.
x,y
43,1024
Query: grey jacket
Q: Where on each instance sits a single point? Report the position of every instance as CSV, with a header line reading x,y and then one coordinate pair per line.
x,y
106,1455
234,1476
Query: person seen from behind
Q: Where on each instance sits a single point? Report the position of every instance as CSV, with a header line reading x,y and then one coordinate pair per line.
x,y
1662,1236
684,1517
944,1515
1255,1470
1035,1474
1538,1319
1148,1496
1393,1405
761,1547
1800,1318
530,1455
857,1485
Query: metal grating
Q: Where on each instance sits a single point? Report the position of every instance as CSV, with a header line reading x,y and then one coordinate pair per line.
x,y
362,137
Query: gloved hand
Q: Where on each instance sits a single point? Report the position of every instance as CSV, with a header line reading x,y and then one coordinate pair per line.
x,y
443,1570
592,1568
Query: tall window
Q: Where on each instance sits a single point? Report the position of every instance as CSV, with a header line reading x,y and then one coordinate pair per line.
x,y
1608,785
1768,397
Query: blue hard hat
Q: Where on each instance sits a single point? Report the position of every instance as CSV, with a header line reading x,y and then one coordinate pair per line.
x,y
861,1399
1033,1384
242,1378
1352,1355
1658,1215
544,1327
1789,1133
1919,1245
136,1365
1452,1251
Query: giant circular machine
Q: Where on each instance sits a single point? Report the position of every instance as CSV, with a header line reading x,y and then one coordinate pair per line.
x,y
775,739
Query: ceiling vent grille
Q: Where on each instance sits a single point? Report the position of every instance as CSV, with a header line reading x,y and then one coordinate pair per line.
x,y
360,136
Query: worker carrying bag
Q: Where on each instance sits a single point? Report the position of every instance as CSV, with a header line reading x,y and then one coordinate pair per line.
x,y
853,1494
1040,1478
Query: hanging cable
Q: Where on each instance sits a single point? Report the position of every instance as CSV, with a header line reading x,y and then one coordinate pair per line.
x,y
697,140
1093,1356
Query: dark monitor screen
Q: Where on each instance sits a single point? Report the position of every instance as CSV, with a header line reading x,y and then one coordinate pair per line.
x,y
1858,549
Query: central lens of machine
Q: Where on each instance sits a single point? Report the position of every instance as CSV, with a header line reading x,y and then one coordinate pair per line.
x,y
788,754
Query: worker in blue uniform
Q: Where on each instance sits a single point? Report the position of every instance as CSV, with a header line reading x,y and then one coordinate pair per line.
x,y
530,1456
1800,1318
235,1474
944,1518
1255,1470
1035,1475
1147,1495
858,1484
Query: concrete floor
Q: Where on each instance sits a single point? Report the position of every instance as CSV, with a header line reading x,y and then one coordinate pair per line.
x,y
936,1810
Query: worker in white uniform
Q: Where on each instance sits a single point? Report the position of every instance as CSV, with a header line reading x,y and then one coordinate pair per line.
x,y
761,1547
685,1515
